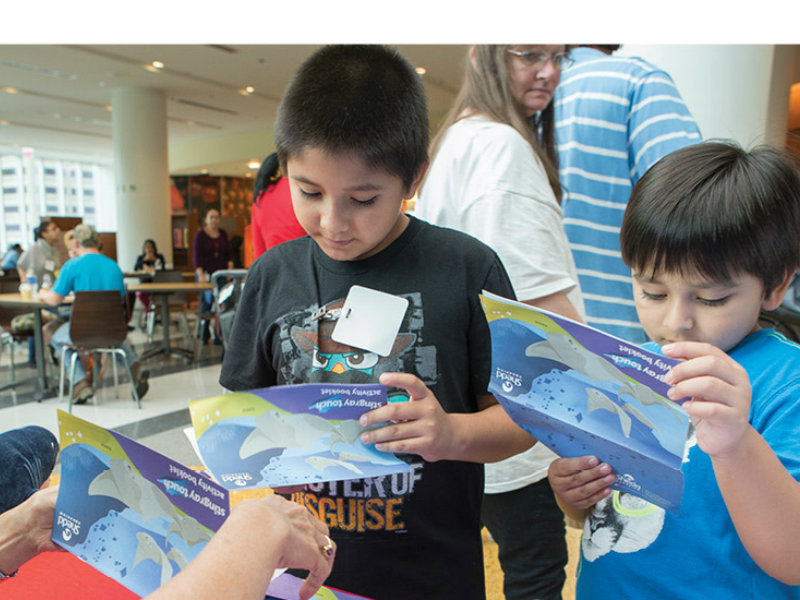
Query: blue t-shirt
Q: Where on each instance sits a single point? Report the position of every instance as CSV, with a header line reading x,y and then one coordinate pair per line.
x,y
90,272
632,549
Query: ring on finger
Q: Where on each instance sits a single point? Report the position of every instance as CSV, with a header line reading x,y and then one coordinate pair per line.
x,y
327,549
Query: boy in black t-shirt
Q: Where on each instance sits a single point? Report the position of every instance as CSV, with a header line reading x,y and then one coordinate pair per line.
x,y
352,137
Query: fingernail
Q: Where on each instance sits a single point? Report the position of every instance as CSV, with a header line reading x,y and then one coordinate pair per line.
x,y
667,348
669,377
363,419
364,438
671,393
605,469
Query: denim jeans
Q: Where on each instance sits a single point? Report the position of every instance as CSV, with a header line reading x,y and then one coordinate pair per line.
x,y
27,457
61,338
528,526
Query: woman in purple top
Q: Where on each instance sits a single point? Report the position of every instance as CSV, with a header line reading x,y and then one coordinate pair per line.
x,y
211,252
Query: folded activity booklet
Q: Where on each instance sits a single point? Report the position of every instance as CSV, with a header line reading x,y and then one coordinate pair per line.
x,y
132,513
290,435
580,391
136,515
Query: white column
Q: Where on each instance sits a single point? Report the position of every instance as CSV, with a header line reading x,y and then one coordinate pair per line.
x,y
141,172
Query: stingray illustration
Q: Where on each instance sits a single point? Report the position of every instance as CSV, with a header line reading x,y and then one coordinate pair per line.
x,y
597,400
562,348
275,429
322,462
189,530
122,482
347,432
148,549
178,558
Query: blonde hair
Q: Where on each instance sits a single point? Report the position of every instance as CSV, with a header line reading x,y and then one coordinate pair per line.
x,y
486,90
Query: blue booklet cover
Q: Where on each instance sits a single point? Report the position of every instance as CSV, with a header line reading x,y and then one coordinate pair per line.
x,y
290,435
130,512
580,391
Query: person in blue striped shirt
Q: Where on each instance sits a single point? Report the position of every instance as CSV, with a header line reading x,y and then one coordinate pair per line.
x,y
615,117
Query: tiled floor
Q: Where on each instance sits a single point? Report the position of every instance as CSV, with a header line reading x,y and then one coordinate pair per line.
x,y
174,381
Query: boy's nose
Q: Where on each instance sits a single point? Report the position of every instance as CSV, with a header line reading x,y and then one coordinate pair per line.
x,y
678,317
332,218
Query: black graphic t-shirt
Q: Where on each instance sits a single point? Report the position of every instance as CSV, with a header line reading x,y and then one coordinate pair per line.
x,y
411,535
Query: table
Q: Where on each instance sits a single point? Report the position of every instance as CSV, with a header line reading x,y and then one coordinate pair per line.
x,y
162,290
36,306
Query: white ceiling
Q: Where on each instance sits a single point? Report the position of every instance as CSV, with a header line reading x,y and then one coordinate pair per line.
x,y
63,92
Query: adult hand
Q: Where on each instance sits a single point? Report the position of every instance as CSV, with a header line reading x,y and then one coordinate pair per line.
x,y
420,426
301,538
719,389
25,530
580,482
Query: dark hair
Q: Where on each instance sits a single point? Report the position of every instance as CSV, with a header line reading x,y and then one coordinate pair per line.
x,y
268,175
144,245
38,232
365,100
715,209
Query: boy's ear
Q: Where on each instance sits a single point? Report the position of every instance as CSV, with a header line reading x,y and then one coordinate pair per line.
x,y
417,180
775,297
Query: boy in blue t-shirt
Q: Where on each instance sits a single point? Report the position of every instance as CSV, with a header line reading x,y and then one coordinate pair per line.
x,y
352,139
711,236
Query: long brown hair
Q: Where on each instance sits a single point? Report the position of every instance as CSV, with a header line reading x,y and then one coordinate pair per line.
x,y
486,90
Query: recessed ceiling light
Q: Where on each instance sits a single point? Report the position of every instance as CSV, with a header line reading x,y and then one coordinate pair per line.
x,y
10,90
421,70
4,122
204,171
253,164
157,64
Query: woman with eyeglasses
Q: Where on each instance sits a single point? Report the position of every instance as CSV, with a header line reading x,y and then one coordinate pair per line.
x,y
494,175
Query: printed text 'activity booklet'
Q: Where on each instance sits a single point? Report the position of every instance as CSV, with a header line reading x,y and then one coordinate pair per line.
x,y
580,391
290,435
128,511
136,515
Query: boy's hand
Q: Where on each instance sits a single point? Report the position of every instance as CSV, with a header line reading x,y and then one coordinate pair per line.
x,y
580,482
420,426
720,395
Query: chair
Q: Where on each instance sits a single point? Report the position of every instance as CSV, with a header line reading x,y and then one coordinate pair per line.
x,y
6,339
227,285
97,324
177,304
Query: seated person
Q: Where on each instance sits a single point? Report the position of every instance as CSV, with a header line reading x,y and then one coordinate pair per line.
x,y
11,257
90,271
149,260
27,457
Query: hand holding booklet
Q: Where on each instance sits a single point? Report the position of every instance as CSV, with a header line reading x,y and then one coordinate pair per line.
x,y
580,392
137,516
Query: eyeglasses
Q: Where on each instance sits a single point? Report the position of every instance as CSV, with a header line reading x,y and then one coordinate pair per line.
x,y
538,59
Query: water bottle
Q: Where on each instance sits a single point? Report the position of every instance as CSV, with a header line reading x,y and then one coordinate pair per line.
x,y
47,281
33,283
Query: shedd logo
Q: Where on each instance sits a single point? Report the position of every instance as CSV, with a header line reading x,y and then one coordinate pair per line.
x,y
509,379
69,526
